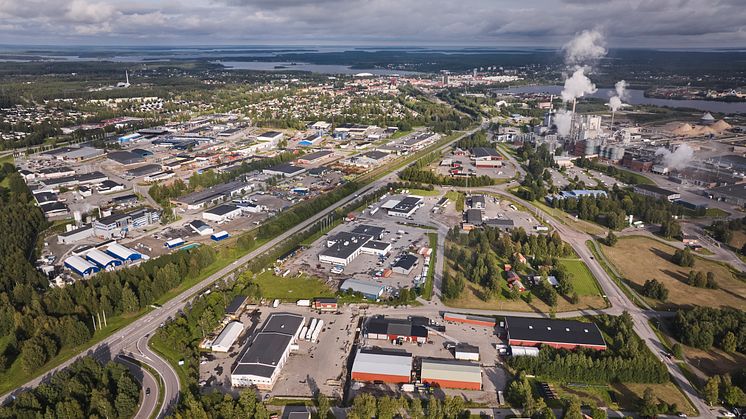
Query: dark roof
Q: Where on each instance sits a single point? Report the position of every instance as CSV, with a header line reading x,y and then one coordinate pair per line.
x,y
213,192
111,219
474,217
198,224
124,157
375,155
235,304
283,323
484,152
370,230
42,197
143,170
499,222
406,204
477,199
341,250
655,189
222,209
737,191
378,245
406,262
270,134
124,198
315,155
286,168
380,325
465,347
108,184
326,300
266,350
553,331
53,206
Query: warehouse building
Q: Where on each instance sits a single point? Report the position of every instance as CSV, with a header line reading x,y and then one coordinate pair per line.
x,y
201,228
401,330
384,365
143,170
103,260
368,289
80,266
284,170
262,361
344,247
405,264
448,373
406,207
315,157
469,319
213,195
75,235
123,253
656,192
235,308
222,213
227,337
732,194
485,157
124,157
561,334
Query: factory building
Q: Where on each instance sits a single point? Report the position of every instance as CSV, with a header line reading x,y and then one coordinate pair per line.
x,y
227,337
201,228
75,235
447,373
732,194
213,195
656,192
401,330
222,213
80,266
469,319
103,260
123,253
284,170
262,361
485,157
561,334
386,365
344,247
368,289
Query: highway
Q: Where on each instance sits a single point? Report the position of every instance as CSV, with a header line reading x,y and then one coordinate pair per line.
x,y
132,339
148,402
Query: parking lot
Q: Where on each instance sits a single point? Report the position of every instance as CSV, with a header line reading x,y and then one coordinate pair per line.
x,y
314,366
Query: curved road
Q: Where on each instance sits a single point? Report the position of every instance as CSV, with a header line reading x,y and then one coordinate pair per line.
x,y
148,402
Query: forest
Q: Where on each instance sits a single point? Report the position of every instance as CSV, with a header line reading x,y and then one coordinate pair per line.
x,y
626,359
86,389
705,327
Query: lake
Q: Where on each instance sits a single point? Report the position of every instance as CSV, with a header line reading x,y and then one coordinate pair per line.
x,y
313,68
637,97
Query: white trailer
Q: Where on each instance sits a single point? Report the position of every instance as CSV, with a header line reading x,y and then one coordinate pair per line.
x,y
317,331
311,327
303,303
303,332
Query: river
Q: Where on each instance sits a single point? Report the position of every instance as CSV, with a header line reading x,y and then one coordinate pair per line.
x,y
314,68
637,97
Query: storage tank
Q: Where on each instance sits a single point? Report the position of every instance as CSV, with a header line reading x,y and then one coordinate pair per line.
x,y
590,147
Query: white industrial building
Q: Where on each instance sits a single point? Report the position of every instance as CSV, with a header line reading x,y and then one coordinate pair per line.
x,y
103,260
261,363
122,252
80,266
466,352
222,213
227,337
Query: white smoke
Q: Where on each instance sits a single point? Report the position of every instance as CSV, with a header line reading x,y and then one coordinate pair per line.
x,y
578,85
586,47
679,159
563,121
615,102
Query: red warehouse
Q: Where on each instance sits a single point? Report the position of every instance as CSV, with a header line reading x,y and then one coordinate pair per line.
x,y
385,365
561,334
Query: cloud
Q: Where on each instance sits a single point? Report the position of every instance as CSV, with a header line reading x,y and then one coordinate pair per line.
x,y
626,23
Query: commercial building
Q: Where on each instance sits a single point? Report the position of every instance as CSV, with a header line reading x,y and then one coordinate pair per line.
x,y
201,228
368,289
382,365
325,304
227,337
125,157
222,213
406,207
262,361
405,264
213,195
75,235
118,224
284,170
144,170
564,334
485,157
273,137
315,157
80,266
577,194
448,373
469,319
656,192
402,330
235,308
344,247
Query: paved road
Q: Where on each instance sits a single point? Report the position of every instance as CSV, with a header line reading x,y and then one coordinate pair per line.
x,y
148,402
129,339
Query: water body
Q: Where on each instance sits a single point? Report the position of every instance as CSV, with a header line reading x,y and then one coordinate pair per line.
x,y
637,97
314,68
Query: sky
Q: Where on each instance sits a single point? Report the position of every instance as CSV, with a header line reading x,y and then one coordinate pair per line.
x,y
497,23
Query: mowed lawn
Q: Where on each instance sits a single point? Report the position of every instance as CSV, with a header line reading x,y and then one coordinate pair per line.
x,y
582,278
291,288
640,258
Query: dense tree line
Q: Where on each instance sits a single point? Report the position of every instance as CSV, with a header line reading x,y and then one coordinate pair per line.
x,y
478,256
366,406
478,139
705,327
538,181
702,280
612,210
626,360
725,388
683,257
86,389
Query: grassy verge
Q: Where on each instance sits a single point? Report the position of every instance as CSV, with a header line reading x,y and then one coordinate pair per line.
x,y
159,382
457,198
291,288
172,357
619,281
427,291
583,281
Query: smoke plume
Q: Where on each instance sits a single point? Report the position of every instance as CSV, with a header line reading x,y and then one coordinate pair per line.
x,y
578,85
586,47
677,160
563,121
621,89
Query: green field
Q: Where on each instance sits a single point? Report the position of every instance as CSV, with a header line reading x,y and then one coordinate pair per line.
x,y
583,281
423,192
292,287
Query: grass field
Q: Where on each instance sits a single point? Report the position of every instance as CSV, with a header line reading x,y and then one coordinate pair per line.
x,y
583,281
423,192
640,258
567,219
738,240
625,395
292,287
457,198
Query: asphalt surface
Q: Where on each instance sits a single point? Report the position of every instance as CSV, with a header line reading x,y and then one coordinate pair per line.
x,y
148,402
